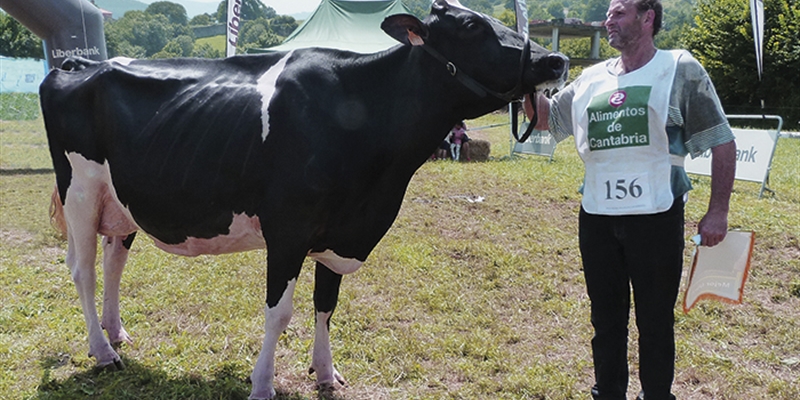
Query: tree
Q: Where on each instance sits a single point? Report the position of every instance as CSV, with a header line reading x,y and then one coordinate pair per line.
x,y
175,13
137,29
419,8
722,41
17,41
481,6
201,20
250,10
256,34
595,10
283,25
204,50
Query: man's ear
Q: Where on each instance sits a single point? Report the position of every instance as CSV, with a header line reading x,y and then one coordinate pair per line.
x,y
406,29
650,17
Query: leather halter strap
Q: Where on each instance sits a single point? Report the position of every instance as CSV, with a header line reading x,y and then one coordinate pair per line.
x,y
512,96
477,87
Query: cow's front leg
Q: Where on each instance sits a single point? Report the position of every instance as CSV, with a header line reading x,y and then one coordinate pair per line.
x,y
115,254
326,295
281,280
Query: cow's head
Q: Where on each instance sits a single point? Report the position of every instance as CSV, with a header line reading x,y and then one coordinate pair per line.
x,y
484,55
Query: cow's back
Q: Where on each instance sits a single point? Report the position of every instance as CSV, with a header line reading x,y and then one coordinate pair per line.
x,y
182,139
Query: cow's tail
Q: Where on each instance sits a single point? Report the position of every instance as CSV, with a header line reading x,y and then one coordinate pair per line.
x,y
57,213
61,164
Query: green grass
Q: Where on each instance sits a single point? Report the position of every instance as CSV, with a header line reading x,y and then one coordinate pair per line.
x,y
19,106
216,42
460,300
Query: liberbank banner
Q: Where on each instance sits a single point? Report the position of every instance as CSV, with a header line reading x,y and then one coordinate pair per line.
x,y
234,24
68,27
753,155
754,151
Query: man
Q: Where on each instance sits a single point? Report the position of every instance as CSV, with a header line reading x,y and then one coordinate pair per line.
x,y
634,119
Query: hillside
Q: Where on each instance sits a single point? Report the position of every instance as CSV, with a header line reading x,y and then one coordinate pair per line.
x,y
119,7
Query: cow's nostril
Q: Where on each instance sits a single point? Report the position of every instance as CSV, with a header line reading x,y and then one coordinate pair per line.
x,y
556,62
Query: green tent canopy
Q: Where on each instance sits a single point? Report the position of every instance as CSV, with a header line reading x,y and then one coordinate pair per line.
x,y
345,25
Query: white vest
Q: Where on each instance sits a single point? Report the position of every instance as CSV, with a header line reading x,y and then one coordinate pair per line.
x,y
620,132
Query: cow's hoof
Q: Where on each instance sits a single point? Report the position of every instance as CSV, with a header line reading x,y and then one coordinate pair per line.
x,y
262,395
337,377
116,365
118,338
326,387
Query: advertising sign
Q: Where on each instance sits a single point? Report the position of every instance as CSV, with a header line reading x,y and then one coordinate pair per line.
x,y
754,150
234,24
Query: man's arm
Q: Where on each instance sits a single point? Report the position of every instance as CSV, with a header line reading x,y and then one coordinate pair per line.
x,y
714,225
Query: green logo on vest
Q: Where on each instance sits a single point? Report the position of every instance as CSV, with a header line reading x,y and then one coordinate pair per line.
x,y
619,119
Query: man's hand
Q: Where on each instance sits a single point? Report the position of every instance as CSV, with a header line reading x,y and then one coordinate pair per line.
x,y
713,228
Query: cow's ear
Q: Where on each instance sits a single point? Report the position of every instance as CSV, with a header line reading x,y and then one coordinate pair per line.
x,y
406,29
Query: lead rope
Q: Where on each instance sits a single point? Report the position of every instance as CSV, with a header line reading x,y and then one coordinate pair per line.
x,y
515,118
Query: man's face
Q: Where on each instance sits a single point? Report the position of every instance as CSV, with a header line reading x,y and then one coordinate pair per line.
x,y
623,23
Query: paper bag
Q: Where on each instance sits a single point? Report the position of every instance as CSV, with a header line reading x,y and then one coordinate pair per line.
x,y
720,272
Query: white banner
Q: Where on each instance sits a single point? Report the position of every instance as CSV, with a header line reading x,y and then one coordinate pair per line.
x,y
754,149
234,24
757,19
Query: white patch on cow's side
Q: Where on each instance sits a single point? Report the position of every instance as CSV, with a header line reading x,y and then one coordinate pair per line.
x,y
121,60
244,234
336,263
266,86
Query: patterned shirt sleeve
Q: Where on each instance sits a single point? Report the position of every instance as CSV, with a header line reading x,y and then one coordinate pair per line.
x,y
695,108
560,119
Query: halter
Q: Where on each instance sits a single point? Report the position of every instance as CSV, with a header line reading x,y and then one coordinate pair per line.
x,y
512,96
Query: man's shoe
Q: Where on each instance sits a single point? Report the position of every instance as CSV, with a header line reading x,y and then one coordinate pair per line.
x,y
641,396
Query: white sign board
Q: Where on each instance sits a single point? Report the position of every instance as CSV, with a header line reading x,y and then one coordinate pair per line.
x,y
539,143
754,149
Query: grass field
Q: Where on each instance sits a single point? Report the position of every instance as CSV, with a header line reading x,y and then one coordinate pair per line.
x,y
216,42
461,300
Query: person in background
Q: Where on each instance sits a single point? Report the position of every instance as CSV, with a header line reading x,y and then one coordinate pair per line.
x,y
459,141
442,151
634,118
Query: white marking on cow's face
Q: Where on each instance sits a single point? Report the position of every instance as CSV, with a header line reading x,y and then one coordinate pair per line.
x,y
336,263
266,86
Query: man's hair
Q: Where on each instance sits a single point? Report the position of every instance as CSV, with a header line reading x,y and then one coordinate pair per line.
x,y
655,5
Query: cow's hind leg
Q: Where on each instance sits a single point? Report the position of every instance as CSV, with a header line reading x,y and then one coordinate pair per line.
x,y
326,295
282,273
82,222
115,254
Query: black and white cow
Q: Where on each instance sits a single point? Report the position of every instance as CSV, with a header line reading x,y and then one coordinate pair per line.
x,y
307,152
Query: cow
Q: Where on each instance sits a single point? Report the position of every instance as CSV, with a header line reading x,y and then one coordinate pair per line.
x,y
307,153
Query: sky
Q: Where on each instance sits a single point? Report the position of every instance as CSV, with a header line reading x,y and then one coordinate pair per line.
x,y
284,7
288,7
